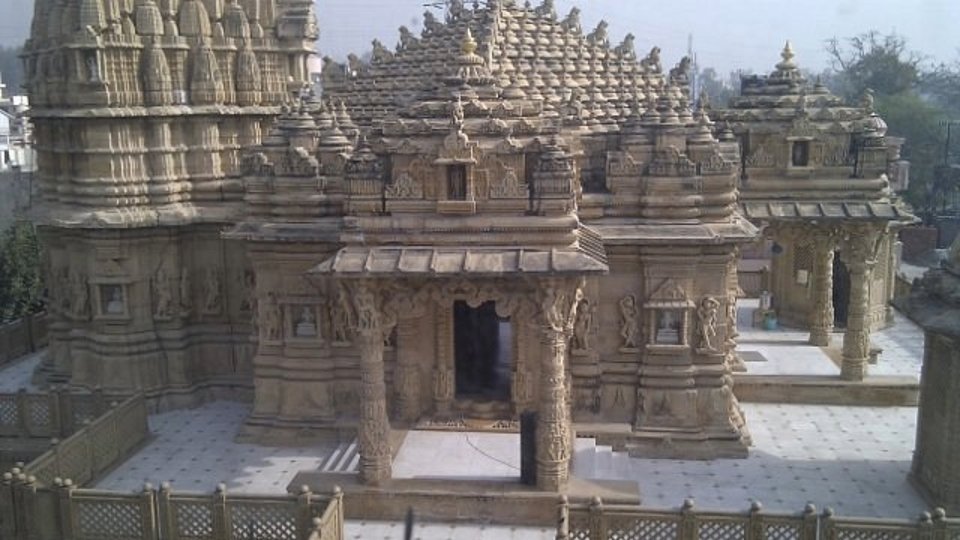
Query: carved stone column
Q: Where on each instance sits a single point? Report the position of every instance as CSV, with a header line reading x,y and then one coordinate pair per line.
x,y
407,380
821,312
374,430
559,300
859,252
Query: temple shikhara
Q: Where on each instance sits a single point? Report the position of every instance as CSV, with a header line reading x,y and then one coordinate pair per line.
x,y
504,214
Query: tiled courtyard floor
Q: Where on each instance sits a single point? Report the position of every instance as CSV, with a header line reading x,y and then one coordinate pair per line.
x,y
853,459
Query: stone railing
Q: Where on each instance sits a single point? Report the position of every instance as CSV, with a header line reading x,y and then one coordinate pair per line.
x,y
96,447
22,337
61,511
57,414
598,521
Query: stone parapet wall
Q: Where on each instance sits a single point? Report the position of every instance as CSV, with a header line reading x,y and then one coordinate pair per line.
x,y
62,511
599,521
22,337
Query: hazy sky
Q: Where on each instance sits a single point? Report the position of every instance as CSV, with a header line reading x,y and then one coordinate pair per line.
x,y
727,34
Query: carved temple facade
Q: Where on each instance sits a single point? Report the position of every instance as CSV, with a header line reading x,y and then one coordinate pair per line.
x,y
504,215
818,176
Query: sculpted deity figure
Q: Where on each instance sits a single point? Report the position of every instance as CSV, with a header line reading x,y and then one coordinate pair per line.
x,y
115,304
248,291
457,114
680,73
211,302
340,319
306,326
582,326
355,64
707,315
630,322
546,9
186,292
627,47
162,294
430,23
271,318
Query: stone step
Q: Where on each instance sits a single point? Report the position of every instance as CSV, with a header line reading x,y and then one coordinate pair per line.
x,y
344,458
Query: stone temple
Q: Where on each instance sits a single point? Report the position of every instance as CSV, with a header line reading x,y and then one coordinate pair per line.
x,y
502,215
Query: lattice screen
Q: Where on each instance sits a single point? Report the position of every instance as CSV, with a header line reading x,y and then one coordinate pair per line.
x,y
874,534
721,530
255,522
193,521
113,520
781,531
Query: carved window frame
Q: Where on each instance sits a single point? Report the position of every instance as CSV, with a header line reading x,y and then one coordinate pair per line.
x,y
654,309
99,288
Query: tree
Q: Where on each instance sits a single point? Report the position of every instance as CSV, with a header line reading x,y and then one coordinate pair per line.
x,y
21,285
881,63
902,85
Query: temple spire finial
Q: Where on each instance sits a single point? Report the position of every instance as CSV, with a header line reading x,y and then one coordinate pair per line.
x,y
468,45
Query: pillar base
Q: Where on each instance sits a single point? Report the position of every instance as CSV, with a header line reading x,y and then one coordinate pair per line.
x,y
820,338
853,369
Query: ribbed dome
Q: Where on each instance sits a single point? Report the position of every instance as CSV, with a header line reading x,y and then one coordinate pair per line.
x,y
148,19
155,73
206,87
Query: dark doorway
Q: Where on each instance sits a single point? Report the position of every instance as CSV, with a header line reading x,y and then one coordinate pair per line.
x,y
841,292
482,351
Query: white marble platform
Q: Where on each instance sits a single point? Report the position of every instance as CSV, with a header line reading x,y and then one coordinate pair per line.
x,y
18,374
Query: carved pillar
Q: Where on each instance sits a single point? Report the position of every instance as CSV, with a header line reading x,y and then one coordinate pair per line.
x,y
443,371
559,300
374,430
859,253
821,312
407,380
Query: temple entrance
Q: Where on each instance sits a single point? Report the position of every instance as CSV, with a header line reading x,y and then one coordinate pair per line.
x,y
482,352
841,292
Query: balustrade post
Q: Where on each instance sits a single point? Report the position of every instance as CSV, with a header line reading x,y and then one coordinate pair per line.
x,y
304,517
688,522
563,519
827,525
23,417
755,522
338,500
8,514
56,420
808,529
148,512
940,531
167,524
221,519
598,522
68,519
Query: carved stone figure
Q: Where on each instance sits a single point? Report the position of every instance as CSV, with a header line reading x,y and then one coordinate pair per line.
x,y
406,38
211,291
80,296
248,291
271,319
707,317
652,61
629,322
186,292
163,295
380,53
583,326
306,324
627,48
115,303
599,35
572,21
340,319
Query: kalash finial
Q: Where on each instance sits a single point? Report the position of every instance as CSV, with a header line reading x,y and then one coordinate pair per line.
x,y
787,63
469,45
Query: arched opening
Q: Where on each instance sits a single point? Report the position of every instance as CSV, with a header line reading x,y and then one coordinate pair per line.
x,y
482,348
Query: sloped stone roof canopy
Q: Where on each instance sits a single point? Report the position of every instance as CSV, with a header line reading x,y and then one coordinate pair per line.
x,y
428,261
881,210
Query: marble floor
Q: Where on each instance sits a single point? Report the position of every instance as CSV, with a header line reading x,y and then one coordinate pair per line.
x,y
853,459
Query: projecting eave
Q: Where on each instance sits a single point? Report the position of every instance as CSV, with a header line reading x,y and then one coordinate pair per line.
x,y
439,262
827,211
622,232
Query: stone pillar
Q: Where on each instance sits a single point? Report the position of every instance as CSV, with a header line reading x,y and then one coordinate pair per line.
x,y
559,301
407,380
859,254
373,432
821,312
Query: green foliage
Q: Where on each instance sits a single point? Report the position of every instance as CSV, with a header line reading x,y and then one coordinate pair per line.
x,y
881,63
916,119
21,285
11,68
